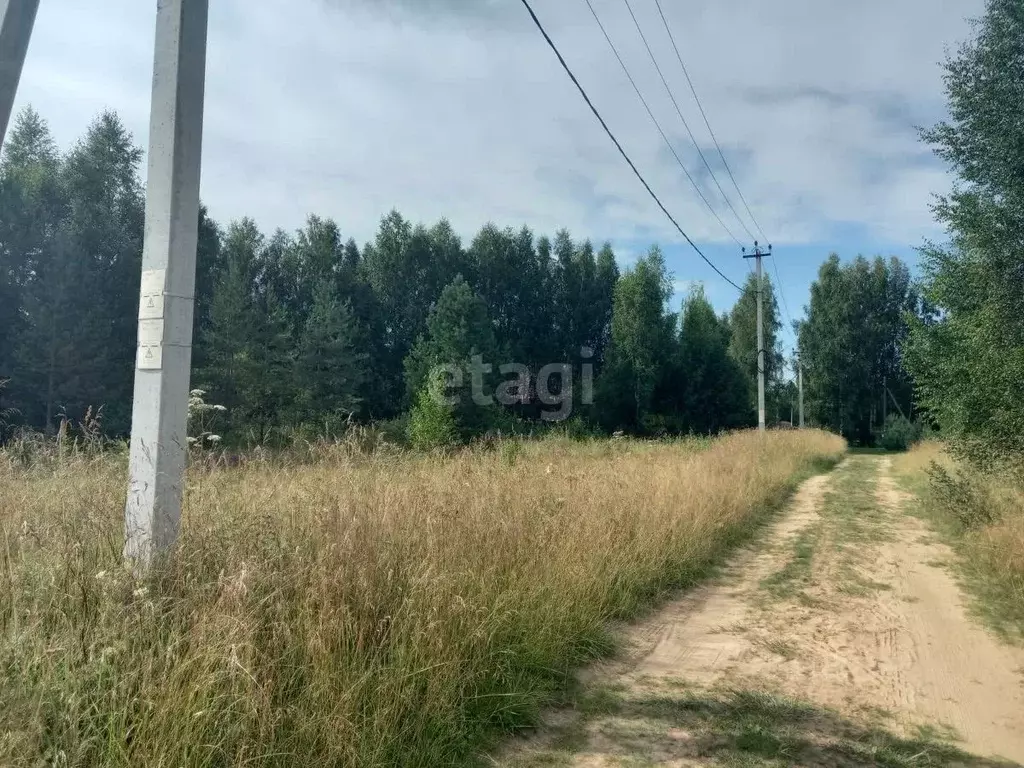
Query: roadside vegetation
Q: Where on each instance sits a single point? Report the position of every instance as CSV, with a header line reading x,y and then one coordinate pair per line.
x,y
967,356
373,610
982,517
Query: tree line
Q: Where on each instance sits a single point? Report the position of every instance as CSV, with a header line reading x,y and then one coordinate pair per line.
x,y
311,331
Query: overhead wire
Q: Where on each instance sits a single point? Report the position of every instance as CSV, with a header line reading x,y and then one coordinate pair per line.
x,y
650,114
682,118
721,154
707,122
619,147
782,293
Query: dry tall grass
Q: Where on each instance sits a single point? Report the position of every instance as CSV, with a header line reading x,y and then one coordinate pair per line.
x,y
985,520
376,612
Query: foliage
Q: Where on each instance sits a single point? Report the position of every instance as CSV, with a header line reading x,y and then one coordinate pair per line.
x,y
898,433
330,366
7,414
305,333
964,498
968,358
714,389
459,335
641,341
431,422
851,344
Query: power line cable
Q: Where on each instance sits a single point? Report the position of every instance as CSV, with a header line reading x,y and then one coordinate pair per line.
x,y
686,125
650,114
782,293
721,154
707,122
618,146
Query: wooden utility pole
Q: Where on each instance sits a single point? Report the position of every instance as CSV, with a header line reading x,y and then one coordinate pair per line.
x,y
16,20
758,255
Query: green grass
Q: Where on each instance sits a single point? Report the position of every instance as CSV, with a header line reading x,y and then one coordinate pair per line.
x,y
748,729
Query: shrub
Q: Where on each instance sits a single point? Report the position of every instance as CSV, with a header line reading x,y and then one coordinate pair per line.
x,y
899,433
431,423
961,497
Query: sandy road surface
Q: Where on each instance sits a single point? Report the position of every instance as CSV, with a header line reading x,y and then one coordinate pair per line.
x,y
841,639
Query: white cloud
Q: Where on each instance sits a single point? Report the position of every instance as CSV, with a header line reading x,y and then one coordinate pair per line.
x,y
683,287
460,110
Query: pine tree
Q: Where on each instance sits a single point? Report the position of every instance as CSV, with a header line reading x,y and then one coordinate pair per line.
x,y
79,349
209,268
269,393
226,343
602,300
330,366
458,329
31,206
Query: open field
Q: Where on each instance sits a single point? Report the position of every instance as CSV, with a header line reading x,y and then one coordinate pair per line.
x,y
374,611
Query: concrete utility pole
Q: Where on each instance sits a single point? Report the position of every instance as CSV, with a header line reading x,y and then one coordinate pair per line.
x,y
800,379
758,255
16,20
160,406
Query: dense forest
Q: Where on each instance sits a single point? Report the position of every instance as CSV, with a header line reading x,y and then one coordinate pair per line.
x,y
310,330
306,332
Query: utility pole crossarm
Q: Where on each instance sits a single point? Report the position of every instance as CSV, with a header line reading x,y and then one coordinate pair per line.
x,y
17,17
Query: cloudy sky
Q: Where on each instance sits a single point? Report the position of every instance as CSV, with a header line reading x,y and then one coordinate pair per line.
x,y
457,108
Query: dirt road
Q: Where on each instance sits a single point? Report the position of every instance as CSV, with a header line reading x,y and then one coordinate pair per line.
x,y
842,639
